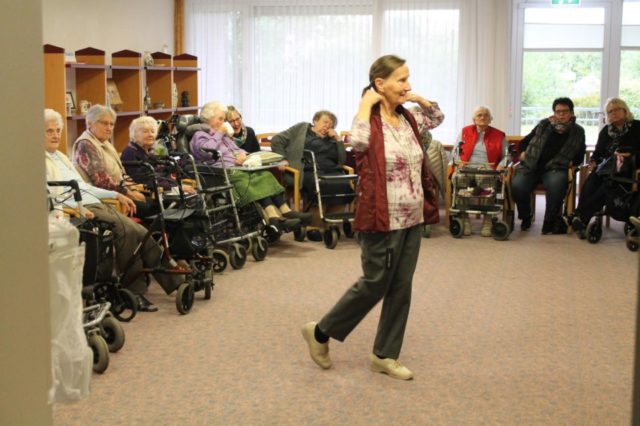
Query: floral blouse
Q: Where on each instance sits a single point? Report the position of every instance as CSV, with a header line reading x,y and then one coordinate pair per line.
x,y
403,161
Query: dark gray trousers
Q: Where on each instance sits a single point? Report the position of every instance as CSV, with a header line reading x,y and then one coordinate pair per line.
x,y
388,263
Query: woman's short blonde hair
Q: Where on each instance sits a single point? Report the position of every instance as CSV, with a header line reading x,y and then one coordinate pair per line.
x,y
211,108
145,122
617,103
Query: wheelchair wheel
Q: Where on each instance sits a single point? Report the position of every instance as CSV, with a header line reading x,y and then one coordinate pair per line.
x,y
100,351
594,232
300,233
330,238
426,231
500,230
184,298
125,305
259,249
237,256
219,260
455,227
113,333
271,234
631,240
347,229
208,289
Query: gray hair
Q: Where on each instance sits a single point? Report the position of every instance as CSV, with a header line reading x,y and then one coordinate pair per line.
x,y
144,122
480,108
211,108
52,115
97,111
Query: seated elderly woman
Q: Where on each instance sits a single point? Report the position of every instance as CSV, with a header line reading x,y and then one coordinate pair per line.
x,y
481,145
249,186
98,161
243,136
128,234
545,156
143,132
617,153
320,137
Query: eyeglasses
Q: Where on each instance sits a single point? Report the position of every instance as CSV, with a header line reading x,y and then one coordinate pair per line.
x,y
611,111
562,111
106,123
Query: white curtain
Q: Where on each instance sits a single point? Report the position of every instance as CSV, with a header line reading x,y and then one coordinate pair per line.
x,y
281,61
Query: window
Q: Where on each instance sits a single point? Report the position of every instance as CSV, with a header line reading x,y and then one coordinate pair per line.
x,y
562,56
630,56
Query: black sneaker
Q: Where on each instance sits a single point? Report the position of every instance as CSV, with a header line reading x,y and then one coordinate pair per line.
x,y
145,304
314,235
526,223
578,227
304,218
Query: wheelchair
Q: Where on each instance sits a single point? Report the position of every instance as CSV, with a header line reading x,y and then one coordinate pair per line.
x,y
328,189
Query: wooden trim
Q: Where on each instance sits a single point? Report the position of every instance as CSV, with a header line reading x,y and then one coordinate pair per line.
x,y
178,26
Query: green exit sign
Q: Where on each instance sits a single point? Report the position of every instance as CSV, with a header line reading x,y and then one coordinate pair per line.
x,y
565,2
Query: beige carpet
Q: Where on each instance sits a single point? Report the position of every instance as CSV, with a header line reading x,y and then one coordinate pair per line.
x,y
536,330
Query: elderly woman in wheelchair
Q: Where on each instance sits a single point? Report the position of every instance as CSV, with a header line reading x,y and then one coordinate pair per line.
x,y
481,146
305,143
613,166
249,186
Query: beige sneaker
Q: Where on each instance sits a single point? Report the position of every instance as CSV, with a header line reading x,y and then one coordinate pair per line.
x,y
391,367
466,226
486,226
319,352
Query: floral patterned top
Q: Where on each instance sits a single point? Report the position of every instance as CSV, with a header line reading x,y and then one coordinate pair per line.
x,y
403,161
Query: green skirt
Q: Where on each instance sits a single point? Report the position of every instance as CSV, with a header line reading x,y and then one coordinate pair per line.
x,y
253,186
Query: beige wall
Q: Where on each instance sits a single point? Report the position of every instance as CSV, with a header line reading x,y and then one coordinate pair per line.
x,y
25,367
139,25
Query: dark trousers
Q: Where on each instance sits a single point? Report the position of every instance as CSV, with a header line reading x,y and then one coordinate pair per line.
x,y
127,236
388,263
593,197
555,185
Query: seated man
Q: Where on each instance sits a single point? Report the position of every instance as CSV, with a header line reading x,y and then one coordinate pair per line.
x,y
128,234
545,156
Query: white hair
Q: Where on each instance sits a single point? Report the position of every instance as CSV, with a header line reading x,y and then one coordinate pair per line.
x,y
210,109
97,111
480,108
52,115
144,122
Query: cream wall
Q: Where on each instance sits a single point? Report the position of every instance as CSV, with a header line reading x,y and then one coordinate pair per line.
x,y
25,366
139,25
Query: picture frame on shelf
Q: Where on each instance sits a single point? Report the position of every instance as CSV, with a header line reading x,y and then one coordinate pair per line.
x,y
113,94
68,100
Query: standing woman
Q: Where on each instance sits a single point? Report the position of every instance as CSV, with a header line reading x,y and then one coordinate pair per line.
x,y
394,192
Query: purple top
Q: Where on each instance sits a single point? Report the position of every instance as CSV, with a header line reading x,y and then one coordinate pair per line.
x,y
218,141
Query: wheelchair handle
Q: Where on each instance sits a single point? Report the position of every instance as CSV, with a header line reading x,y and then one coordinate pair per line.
x,y
77,196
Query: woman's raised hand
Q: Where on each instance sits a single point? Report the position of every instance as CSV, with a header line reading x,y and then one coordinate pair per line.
x,y
370,98
414,97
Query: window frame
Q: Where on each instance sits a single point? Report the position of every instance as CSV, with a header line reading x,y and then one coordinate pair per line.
x,y
611,52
